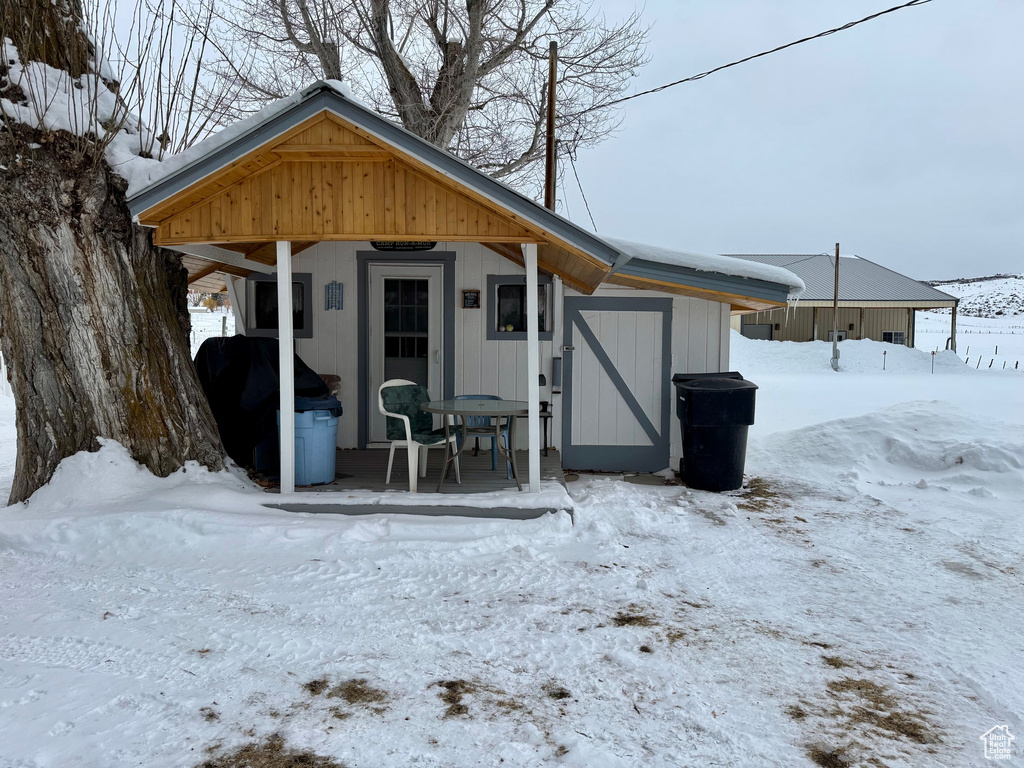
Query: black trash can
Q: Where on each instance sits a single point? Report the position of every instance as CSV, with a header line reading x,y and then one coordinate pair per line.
x,y
715,411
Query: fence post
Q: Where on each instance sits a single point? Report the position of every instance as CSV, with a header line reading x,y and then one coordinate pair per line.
x,y
223,326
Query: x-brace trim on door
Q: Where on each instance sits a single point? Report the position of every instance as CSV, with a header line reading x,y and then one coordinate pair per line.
x,y
615,456
620,383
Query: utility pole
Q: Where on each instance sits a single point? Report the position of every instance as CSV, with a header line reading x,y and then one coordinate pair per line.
x,y
835,317
549,163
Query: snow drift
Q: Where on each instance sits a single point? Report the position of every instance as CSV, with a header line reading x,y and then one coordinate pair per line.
x,y
925,443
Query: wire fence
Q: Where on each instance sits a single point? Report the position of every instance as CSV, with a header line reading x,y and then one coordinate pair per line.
x,y
210,325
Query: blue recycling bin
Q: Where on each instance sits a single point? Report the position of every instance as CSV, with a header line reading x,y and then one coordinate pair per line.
x,y
316,438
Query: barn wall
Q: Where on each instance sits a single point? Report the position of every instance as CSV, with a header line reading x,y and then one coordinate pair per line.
x,y
796,324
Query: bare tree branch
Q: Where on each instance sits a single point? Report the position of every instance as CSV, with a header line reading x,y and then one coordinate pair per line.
x,y
467,75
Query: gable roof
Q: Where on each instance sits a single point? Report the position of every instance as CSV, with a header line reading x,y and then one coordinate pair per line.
x,y
221,191
859,279
230,145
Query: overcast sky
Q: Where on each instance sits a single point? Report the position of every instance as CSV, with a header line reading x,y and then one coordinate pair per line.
x,y
901,138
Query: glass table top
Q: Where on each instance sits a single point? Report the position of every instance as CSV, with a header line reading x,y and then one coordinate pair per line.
x,y
477,407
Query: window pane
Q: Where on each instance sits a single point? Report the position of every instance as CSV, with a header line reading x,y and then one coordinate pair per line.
x,y
265,305
408,319
391,319
511,305
409,292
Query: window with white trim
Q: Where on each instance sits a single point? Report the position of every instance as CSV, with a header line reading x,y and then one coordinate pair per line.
x,y
894,337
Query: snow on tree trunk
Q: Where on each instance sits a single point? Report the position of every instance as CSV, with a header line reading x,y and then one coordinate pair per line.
x,y
94,324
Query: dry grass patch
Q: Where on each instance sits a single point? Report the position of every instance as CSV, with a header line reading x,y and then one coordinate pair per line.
x,y
796,712
836,662
271,753
674,636
358,691
316,687
826,758
760,496
452,693
633,616
557,692
879,709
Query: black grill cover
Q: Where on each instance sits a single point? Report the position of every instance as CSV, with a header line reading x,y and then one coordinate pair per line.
x,y
240,378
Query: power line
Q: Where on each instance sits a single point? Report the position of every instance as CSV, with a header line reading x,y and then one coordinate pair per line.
x,y
582,194
702,75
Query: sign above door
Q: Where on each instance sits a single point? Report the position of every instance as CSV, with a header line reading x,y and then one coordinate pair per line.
x,y
397,245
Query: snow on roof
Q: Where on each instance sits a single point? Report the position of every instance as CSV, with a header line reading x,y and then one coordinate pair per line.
x,y
859,278
142,173
725,265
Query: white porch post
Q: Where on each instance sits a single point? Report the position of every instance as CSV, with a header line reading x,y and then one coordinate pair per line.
x,y
533,364
286,364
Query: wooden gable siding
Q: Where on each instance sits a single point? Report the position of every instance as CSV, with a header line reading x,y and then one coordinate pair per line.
x,y
337,200
328,180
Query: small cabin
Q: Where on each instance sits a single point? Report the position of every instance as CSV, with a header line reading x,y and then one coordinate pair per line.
x,y
406,262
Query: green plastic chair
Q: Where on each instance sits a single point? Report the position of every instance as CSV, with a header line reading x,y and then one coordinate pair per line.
x,y
408,426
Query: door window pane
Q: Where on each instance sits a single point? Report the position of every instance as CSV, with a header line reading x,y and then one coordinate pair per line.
x,y
406,328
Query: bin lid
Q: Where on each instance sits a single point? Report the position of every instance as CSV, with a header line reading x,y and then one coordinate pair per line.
x,y
681,378
328,403
717,384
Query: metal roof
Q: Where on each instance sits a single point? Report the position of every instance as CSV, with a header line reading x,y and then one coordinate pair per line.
x,y
859,279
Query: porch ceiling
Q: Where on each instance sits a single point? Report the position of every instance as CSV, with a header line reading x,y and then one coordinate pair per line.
x,y
207,275
328,179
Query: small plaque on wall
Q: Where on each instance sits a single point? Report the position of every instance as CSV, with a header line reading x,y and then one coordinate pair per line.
x,y
471,299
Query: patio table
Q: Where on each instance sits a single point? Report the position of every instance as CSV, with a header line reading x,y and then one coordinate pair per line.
x,y
496,409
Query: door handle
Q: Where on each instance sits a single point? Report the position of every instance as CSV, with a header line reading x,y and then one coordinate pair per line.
x,y
568,348
437,356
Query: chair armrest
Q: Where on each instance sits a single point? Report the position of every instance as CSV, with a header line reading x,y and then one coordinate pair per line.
x,y
405,420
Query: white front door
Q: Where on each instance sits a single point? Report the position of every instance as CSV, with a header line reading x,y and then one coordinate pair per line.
x,y
404,331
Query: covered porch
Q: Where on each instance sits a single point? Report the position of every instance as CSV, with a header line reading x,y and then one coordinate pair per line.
x,y
359,488
318,168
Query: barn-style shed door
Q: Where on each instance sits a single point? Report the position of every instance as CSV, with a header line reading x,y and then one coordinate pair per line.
x,y
616,397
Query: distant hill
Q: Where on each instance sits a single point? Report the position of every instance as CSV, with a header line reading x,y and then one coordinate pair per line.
x,y
988,296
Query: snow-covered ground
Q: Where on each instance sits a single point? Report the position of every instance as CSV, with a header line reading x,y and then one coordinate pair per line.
x,y
208,324
981,342
856,604
992,296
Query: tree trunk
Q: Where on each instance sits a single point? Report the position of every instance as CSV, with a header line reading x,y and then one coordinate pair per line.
x,y
94,324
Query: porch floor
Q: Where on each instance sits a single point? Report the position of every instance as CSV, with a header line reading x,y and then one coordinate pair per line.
x,y
364,471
